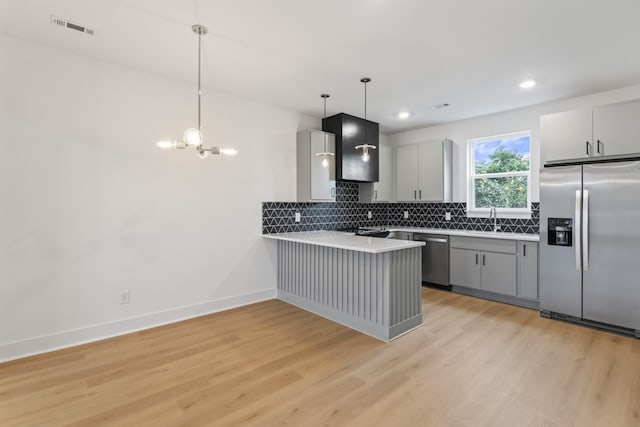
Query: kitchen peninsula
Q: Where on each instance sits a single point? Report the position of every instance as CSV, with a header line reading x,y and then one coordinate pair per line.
x,y
369,284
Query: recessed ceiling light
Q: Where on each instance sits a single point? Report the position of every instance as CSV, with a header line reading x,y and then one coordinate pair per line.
x,y
404,115
439,106
527,84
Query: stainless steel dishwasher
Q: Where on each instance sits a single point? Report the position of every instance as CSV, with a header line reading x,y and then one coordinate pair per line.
x,y
435,258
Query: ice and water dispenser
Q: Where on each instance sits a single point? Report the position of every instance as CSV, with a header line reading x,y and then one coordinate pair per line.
x,y
560,232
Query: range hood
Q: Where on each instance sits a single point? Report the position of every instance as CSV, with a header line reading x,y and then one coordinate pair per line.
x,y
352,131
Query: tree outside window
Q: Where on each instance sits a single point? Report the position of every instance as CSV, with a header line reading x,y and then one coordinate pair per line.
x,y
500,172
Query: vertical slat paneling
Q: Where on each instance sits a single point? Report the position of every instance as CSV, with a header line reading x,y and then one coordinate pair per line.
x,y
334,273
365,286
345,281
349,282
383,289
379,260
418,287
314,281
325,275
287,266
405,284
386,287
372,288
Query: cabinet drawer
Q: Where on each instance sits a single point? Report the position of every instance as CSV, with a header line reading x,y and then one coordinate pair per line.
x,y
480,244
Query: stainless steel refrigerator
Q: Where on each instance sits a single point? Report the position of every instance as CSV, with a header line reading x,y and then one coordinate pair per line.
x,y
590,242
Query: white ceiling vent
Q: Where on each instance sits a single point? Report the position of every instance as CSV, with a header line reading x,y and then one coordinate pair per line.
x,y
70,25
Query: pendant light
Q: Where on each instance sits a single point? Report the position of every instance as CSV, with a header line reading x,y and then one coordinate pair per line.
x,y
193,137
325,152
365,147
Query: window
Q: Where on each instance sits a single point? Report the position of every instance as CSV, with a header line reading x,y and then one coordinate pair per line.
x,y
500,173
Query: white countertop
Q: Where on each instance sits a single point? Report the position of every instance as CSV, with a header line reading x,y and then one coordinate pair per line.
x,y
467,233
338,239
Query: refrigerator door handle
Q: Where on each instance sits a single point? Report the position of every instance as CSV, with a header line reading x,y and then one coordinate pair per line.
x,y
585,231
578,228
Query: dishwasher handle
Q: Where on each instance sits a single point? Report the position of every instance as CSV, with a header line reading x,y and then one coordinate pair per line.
x,y
430,239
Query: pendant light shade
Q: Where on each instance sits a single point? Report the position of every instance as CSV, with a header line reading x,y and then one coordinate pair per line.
x,y
325,152
193,137
365,147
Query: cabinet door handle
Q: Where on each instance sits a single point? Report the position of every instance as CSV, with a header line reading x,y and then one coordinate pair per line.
x,y
524,250
333,192
588,148
375,194
476,259
600,144
420,193
483,260
415,195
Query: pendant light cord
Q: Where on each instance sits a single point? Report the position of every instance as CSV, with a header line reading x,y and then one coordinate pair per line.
x,y
365,115
365,100
325,137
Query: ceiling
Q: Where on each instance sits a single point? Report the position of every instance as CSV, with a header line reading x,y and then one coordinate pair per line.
x,y
468,53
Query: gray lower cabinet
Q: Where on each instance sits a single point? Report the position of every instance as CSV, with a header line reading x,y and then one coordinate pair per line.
x,y
501,269
487,271
465,268
499,273
528,270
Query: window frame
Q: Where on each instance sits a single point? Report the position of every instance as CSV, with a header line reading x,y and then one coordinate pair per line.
x,y
472,210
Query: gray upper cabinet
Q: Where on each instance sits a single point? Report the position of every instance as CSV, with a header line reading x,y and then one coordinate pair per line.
x,y
528,270
423,171
407,172
616,128
566,135
603,130
315,182
379,191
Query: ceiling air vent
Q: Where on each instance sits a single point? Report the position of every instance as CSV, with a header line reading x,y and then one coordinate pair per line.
x,y
70,25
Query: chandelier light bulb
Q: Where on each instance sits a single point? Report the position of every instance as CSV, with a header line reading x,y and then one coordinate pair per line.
x,y
165,145
325,163
193,136
365,155
229,151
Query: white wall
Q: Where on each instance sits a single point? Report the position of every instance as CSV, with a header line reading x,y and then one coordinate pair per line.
x,y
90,207
503,123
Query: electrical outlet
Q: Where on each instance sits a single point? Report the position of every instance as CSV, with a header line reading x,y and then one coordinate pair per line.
x,y
124,297
369,215
297,217
447,216
406,215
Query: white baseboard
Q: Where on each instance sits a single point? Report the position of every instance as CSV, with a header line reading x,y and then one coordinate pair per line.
x,y
64,339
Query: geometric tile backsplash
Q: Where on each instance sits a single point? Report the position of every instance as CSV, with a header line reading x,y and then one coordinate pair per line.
x,y
432,215
346,212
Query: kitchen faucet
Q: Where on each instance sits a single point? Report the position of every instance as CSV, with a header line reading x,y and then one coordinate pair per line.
x,y
493,214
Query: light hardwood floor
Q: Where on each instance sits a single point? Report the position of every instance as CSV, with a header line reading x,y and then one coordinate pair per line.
x,y
473,363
